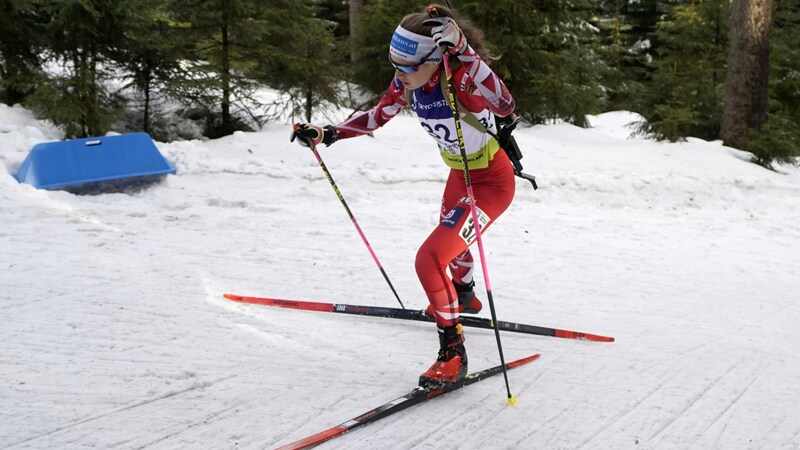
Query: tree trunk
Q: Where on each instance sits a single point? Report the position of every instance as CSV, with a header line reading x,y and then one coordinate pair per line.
x,y
94,109
355,7
148,77
309,104
746,92
227,123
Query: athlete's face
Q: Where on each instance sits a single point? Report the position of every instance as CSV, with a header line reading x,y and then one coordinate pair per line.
x,y
417,78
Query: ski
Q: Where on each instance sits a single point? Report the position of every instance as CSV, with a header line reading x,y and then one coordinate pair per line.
x,y
416,396
418,315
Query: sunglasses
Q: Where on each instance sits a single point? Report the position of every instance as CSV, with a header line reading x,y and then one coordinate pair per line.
x,y
411,68
406,69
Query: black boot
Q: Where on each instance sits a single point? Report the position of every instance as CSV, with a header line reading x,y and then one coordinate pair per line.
x,y
467,302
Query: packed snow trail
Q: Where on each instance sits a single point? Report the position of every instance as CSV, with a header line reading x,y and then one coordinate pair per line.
x,y
115,334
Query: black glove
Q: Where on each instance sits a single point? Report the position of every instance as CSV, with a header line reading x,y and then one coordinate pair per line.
x,y
310,134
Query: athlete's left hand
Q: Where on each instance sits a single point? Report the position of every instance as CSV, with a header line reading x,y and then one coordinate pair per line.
x,y
446,32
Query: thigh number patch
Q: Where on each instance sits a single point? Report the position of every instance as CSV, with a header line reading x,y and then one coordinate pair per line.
x,y
467,232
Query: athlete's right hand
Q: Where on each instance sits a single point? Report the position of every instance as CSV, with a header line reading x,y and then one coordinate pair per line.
x,y
445,32
312,135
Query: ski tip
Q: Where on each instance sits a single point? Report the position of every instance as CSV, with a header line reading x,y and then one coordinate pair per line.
x,y
522,361
315,439
583,336
232,297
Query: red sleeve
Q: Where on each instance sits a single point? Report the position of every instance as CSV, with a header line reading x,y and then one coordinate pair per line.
x,y
364,122
480,88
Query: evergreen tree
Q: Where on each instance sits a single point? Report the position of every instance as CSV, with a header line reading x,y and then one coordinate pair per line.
x,y
21,28
572,88
151,59
684,96
513,33
644,17
376,23
354,12
747,75
337,12
82,36
779,138
551,55
785,60
305,61
238,44
547,52
212,32
627,29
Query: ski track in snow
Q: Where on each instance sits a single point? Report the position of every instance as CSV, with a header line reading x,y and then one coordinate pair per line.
x,y
115,333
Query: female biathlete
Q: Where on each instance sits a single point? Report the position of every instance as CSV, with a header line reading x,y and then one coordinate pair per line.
x,y
416,50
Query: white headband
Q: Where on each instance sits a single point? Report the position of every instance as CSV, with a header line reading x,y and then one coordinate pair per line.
x,y
414,47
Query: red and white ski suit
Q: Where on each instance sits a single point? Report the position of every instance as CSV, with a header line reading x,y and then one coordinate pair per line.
x,y
483,94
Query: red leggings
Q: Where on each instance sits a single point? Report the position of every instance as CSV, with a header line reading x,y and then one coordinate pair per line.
x,y
449,242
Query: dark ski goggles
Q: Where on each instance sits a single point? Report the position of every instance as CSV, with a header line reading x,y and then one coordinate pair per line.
x,y
411,68
405,69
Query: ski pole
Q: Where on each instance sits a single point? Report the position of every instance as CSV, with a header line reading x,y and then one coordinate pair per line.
x,y
353,219
473,208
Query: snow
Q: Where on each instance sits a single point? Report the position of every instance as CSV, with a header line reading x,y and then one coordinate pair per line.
x,y
115,333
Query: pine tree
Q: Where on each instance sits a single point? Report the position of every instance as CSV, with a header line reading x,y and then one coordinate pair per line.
x,y
746,95
305,61
627,29
779,139
573,88
21,29
785,60
151,60
684,96
551,58
512,32
354,12
547,51
82,36
376,24
240,44
209,31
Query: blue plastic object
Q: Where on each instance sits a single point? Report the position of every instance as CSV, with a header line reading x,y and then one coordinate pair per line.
x,y
78,162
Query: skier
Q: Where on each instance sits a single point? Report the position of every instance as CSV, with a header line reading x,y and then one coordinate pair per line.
x,y
416,50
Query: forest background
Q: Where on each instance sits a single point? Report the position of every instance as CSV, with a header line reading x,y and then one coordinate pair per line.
x,y
713,69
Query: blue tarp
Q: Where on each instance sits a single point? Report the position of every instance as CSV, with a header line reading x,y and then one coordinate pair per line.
x,y
65,164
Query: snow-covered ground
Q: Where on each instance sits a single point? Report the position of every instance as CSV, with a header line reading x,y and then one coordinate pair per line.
x,y
115,334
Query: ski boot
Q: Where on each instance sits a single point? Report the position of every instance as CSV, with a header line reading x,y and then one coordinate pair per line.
x,y
451,364
467,302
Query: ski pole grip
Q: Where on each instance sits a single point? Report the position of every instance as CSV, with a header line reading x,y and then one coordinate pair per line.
x,y
433,11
